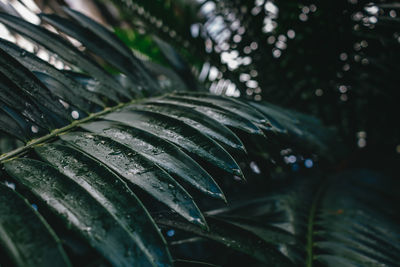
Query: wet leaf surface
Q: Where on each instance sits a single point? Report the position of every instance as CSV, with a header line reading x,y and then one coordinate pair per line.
x,y
138,171
180,134
163,153
24,234
78,210
109,190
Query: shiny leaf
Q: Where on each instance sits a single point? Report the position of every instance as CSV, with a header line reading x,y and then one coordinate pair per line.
x,y
234,238
139,171
163,153
97,45
225,104
228,119
113,194
186,263
210,127
33,63
24,234
32,87
181,134
107,84
78,210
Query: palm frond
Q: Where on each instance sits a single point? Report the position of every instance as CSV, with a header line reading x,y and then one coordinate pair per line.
x,y
103,153
347,220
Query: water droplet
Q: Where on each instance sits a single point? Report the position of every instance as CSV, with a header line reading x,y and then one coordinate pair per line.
x,y
171,233
237,172
23,53
65,104
237,178
10,185
133,171
34,129
75,115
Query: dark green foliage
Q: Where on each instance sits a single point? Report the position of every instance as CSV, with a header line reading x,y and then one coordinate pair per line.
x,y
348,220
24,234
124,175
337,60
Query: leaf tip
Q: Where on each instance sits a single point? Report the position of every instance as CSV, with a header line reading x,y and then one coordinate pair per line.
x,y
239,174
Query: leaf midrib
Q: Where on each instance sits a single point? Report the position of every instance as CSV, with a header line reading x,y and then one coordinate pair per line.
x,y
18,151
310,225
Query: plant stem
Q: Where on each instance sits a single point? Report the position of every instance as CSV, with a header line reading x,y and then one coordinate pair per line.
x,y
310,228
59,131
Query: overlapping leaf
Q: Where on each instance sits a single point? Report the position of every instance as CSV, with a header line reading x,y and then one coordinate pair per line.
x,y
350,221
113,194
159,151
106,84
91,180
24,234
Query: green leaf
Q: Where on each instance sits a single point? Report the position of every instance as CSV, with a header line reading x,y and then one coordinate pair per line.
x,y
177,63
163,153
226,118
180,134
151,142
300,128
107,84
168,80
24,115
113,194
138,171
356,221
100,30
135,67
93,42
233,238
174,59
348,219
78,210
76,93
24,234
22,78
210,127
225,104
10,126
268,233
79,107
186,263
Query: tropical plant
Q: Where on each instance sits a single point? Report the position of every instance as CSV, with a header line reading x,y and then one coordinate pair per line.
x,y
336,60
114,166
